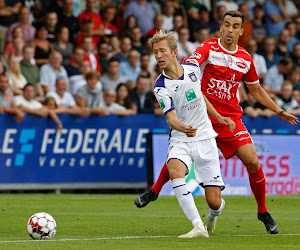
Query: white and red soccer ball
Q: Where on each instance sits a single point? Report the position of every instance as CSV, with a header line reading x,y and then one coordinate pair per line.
x,y
41,226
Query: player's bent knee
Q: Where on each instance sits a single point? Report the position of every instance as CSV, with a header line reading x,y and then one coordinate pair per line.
x,y
252,164
214,204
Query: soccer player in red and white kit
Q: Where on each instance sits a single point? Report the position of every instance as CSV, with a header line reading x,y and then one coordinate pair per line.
x,y
224,64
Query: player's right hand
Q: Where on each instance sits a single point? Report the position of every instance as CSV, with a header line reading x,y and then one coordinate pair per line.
x,y
190,131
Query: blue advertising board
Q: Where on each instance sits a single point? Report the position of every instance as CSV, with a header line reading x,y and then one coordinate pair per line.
x,y
94,149
278,155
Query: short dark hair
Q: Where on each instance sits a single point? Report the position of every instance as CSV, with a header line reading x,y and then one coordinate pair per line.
x,y
286,61
28,85
235,13
113,59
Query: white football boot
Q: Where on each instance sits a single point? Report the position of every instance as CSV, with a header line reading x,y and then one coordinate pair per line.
x,y
196,232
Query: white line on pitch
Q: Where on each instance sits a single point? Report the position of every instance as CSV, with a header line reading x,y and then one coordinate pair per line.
x,y
139,237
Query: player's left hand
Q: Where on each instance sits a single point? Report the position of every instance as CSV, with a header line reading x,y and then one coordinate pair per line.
x,y
287,117
227,121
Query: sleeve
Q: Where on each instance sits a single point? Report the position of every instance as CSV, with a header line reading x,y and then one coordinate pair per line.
x,y
128,11
71,100
164,99
200,54
44,76
251,76
268,78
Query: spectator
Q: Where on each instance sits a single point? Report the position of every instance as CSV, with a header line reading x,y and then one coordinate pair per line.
x,y
168,12
142,98
268,52
258,60
77,59
136,39
254,109
30,70
16,79
203,21
76,82
294,77
275,17
283,39
215,25
109,97
229,4
144,13
114,46
23,21
178,22
125,47
157,25
292,28
51,23
86,30
296,54
247,33
259,27
103,56
113,79
146,70
90,95
286,100
7,104
13,47
66,18
109,14
98,28
62,44
87,45
9,10
42,46
275,75
123,97
131,68
27,104
64,99
200,36
192,8
184,46
49,72
129,23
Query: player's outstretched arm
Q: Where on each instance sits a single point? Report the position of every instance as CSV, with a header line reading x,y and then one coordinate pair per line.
x,y
261,95
176,124
221,119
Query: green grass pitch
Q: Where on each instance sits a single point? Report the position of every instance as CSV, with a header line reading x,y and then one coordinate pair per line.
x,y
95,221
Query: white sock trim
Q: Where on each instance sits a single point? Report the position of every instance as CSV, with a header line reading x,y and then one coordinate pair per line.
x,y
214,213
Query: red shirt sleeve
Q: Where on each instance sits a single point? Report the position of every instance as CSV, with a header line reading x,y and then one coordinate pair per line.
x,y
200,54
251,76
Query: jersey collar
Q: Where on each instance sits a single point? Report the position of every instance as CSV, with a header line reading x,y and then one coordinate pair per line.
x,y
228,51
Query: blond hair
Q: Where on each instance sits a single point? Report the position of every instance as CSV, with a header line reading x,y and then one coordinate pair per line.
x,y
164,35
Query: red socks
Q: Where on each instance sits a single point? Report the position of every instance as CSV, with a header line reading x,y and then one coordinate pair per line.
x,y
163,178
258,186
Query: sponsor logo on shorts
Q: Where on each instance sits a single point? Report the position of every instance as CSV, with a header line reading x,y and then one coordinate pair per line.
x,y
240,133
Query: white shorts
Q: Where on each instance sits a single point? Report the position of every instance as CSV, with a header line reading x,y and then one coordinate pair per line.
x,y
205,156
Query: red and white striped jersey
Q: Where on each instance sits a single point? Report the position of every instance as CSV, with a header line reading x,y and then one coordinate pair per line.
x,y
222,72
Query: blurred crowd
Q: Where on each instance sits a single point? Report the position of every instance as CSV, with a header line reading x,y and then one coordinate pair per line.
x,y
84,57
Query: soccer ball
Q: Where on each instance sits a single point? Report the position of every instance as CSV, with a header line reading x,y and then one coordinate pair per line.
x,y
41,226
